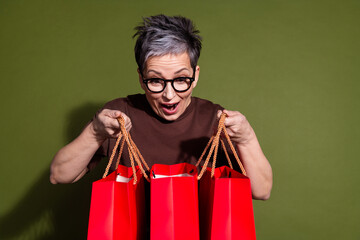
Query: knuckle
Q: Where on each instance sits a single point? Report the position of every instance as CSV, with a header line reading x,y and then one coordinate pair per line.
x,y
242,118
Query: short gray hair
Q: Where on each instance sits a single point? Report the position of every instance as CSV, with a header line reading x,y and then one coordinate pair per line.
x,y
160,35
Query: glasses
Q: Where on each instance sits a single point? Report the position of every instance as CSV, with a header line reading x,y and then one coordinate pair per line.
x,y
179,84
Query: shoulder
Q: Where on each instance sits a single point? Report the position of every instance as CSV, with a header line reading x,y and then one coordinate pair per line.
x,y
203,105
204,112
122,103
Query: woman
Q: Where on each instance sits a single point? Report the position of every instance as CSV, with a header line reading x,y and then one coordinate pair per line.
x,y
167,124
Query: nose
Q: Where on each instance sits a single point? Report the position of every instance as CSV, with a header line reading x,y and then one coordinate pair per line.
x,y
169,92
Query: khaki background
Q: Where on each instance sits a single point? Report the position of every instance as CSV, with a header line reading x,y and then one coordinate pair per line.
x,y
292,67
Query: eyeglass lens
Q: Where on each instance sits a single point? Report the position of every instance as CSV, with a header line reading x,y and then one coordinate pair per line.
x,y
179,84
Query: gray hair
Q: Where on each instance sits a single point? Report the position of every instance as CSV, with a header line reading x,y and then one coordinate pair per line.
x,y
160,35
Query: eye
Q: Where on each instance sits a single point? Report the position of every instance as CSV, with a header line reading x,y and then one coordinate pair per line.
x,y
182,80
155,81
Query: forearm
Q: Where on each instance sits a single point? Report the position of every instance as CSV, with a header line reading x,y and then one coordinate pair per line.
x,y
70,163
257,167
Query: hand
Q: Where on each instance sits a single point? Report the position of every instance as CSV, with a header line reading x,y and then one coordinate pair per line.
x,y
105,124
238,128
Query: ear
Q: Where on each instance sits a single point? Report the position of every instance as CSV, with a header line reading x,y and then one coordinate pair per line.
x,y
140,80
197,72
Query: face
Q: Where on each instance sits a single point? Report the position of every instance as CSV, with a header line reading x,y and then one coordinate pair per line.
x,y
169,104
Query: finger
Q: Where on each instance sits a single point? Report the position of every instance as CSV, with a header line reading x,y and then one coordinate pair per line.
x,y
219,112
115,114
230,121
230,113
125,117
128,126
127,120
110,113
114,133
112,122
233,118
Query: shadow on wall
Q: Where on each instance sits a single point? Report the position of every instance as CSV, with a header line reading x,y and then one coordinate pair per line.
x,y
55,211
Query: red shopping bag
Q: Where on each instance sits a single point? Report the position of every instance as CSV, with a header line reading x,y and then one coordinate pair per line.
x,y
117,201
174,210
226,211
117,208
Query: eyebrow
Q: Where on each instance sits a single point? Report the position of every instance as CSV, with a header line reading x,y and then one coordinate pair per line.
x,y
178,71
182,70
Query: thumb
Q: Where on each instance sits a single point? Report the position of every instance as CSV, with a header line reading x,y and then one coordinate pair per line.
x,y
116,114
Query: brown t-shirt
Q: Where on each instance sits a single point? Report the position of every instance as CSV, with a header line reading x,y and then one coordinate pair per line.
x,y
161,141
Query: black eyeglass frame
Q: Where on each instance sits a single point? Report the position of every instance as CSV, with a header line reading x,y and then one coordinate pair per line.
x,y
192,79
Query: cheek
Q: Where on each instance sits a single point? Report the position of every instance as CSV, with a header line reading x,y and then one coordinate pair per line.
x,y
185,96
152,98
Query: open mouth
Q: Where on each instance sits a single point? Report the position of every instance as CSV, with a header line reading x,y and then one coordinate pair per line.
x,y
170,108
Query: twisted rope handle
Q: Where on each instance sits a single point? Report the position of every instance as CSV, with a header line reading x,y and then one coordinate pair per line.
x,y
113,155
226,153
119,155
214,146
138,153
214,141
134,152
233,150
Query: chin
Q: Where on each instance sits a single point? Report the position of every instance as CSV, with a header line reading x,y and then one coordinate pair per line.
x,y
170,118
166,117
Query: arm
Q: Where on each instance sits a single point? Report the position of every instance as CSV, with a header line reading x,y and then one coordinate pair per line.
x,y
71,162
255,163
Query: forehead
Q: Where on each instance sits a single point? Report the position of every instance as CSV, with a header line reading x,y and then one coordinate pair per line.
x,y
168,63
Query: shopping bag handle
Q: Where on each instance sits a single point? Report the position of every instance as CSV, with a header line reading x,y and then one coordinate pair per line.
x,y
214,142
134,153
